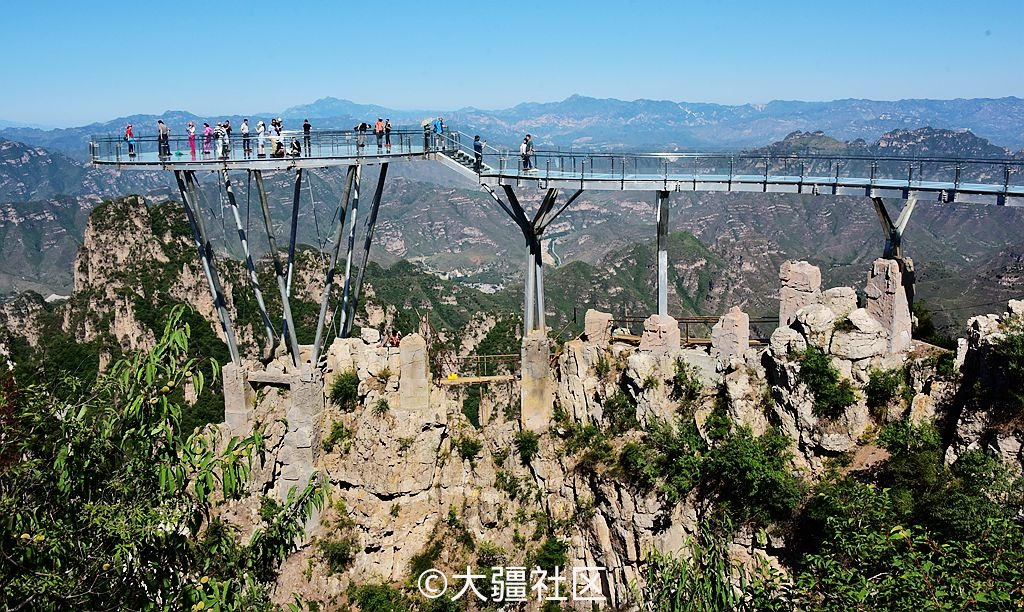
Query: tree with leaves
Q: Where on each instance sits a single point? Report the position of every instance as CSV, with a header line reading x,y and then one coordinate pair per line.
x,y
105,503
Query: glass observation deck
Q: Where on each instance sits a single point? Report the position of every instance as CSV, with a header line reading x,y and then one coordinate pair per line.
x,y
982,180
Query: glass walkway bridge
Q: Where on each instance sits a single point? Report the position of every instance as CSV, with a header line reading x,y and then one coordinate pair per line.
x,y
500,172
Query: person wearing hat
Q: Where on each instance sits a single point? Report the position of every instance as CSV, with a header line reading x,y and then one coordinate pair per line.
x,y
261,133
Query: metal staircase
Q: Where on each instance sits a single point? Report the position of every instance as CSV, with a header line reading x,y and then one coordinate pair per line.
x,y
460,157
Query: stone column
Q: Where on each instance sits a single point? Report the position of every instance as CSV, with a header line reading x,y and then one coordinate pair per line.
x,y
597,327
536,393
304,415
887,302
237,399
730,337
801,285
661,335
414,378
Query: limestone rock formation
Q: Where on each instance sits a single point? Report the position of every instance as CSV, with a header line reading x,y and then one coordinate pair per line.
x,y
730,336
887,302
661,335
801,285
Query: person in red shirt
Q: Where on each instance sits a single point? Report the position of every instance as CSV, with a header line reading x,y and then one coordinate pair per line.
x,y
129,137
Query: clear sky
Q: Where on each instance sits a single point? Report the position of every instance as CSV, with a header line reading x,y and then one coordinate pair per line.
x,y
74,62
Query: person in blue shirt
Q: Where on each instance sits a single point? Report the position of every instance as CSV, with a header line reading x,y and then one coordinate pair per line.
x,y
438,132
478,153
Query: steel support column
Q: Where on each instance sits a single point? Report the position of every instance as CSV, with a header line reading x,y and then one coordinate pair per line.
x,y
279,270
268,327
296,195
894,242
351,248
371,223
533,290
663,253
329,277
190,197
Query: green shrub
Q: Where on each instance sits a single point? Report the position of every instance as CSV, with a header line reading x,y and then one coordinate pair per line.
x,y
468,448
832,393
509,483
344,390
751,477
668,457
686,385
603,365
379,598
843,324
340,435
471,404
620,412
883,387
550,555
383,374
381,408
528,444
338,553
425,560
489,554
1008,360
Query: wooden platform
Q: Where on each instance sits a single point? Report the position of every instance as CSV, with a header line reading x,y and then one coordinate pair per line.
x,y
472,380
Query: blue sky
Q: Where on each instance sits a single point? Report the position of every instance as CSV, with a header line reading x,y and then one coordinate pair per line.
x,y
69,63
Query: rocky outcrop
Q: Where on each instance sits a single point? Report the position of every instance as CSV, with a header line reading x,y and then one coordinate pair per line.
x,y
801,285
730,336
887,302
661,335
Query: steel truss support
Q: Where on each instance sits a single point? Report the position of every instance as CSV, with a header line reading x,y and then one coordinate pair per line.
x,y
279,270
533,293
190,196
347,287
268,327
293,236
894,231
371,224
351,181
894,241
663,253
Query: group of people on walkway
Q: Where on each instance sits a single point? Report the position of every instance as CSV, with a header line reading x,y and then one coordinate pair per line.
x,y
381,130
215,141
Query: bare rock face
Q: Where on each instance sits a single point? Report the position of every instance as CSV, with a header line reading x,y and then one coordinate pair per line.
x,y
867,338
816,324
730,336
597,327
801,285
785,340
840,300
887,302
661,335
370,335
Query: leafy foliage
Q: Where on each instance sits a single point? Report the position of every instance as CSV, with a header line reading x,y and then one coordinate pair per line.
x,y
344,391
832,393
686,385
620,412
108,502
340,435
882,388
468,448
528,444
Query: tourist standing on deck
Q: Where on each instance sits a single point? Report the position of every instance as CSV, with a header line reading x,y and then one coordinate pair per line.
x,y
478,153
524,154
439,133
129,137
207,138
190,129
261,133
227,138
246,146
306,127
529,153
387,135
361,136
163,138
378,131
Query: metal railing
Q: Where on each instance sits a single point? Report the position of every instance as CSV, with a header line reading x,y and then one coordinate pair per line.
x,y
990,175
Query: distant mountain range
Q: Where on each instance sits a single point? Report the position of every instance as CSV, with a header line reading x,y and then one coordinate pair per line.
x,y
611,124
